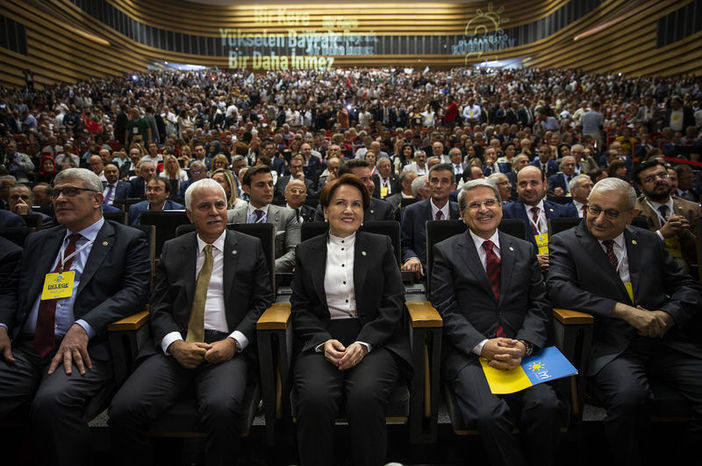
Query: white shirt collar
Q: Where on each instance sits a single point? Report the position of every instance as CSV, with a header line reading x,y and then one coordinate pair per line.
x,y
478,241
445,209
338,241
251,209
218,244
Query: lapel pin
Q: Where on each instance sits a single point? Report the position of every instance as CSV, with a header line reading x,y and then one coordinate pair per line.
x,y
511,248
633,241
363,253
234,251
105,243
550,210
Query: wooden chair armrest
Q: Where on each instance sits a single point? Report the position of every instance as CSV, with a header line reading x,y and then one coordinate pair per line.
x,y
423,315
130,323
569,317
276,317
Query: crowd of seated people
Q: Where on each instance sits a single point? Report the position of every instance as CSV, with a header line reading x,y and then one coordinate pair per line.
x,y
342,147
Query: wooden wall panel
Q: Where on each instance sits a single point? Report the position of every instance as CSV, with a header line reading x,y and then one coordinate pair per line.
x,y
60,47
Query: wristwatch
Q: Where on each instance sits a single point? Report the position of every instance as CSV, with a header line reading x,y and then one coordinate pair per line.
x,y
529,347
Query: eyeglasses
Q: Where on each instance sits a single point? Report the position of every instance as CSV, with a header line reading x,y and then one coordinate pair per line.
x,y
611,214
489,203
69,191
655,176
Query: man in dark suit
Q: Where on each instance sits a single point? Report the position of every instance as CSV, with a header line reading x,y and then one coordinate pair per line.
x,y
378,209
646,311
203,332
386,182
487,287
105,267
531,189
21,202
545,160
146,171
558,184
438,207
157,192
114,189
295,196
297,163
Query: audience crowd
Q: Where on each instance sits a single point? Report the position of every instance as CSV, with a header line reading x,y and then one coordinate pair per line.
x,y
472,144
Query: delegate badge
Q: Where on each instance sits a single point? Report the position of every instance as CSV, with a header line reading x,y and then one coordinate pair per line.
x,y
58,285
542,243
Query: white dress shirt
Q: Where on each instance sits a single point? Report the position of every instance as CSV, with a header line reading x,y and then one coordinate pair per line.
x,y
215,313
542,224
620,252
338,281
251,217
478,241
444,210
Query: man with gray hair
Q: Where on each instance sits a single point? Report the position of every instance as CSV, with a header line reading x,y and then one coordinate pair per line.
x,y
503,185
644,305
54,352
211,287
580,188
499,317
558,184
420,163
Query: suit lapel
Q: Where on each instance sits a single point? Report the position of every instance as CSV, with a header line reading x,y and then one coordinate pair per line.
x,y
104,242
506,263
467,251
360,266
647,211
187,262
592,248
633,255
318,256
231,260
49,250
273,215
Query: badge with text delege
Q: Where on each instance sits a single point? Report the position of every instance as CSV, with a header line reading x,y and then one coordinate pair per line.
x,y
58,285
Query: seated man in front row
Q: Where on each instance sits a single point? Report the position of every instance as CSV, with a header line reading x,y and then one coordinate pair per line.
x,y
211,287
59,358
488,289
645,308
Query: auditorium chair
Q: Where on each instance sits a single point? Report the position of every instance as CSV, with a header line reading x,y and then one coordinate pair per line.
x,y
571,333
166,223
411,406
34,221
16,234
699,248
559,224
128,335
119,217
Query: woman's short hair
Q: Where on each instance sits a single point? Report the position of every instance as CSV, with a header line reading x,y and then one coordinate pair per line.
x,y
349,179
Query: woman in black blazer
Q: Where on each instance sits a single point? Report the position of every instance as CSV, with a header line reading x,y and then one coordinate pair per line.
x,y
351,332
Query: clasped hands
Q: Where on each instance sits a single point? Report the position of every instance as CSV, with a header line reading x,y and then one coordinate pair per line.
x,y
341,357
503,353
192,354
653,324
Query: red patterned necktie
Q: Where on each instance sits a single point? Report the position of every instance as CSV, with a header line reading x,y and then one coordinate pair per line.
x,y
535,220
492,267
609,244
584,211
44,330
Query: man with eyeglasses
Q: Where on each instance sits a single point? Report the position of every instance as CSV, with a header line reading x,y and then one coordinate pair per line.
x,y
74,280
197,172
488,289
296,168
157,191
673,219
645,307
295,197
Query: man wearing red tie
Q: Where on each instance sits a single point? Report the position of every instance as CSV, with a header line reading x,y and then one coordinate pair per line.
x,y
580,188
74,280
488,289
